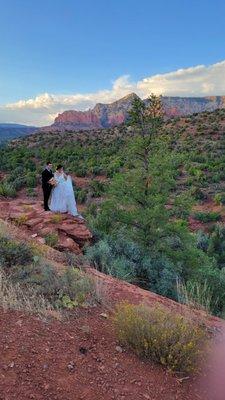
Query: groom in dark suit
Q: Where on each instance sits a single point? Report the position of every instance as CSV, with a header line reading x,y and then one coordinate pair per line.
x,y
46,175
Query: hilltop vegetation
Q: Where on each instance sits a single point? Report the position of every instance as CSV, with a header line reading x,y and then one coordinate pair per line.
x,y
154,173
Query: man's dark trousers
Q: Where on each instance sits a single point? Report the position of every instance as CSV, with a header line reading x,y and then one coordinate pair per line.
x,y
46,176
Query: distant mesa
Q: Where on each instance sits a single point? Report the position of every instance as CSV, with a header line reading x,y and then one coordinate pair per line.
x,y
116,113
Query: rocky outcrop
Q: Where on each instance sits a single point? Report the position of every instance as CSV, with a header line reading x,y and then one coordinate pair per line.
x,y
82,120
71,234
101,116
116,113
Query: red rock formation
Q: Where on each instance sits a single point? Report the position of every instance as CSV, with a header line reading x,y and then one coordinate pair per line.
x,y
78,117
109,115
116,119
36,224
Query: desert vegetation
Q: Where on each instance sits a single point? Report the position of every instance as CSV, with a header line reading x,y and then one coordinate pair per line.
x,y
153,173
29,282
158,334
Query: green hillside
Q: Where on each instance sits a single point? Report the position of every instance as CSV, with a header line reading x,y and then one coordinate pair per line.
x,y
157,212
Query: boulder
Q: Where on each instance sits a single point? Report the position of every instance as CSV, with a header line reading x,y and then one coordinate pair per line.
x,y
68,244
45,230
33,222
79,232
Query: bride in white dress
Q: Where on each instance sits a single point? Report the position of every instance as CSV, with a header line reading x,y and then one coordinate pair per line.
x,y
62,196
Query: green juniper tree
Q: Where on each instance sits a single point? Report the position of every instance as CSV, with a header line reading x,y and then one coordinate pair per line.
x,y
140,236
136,210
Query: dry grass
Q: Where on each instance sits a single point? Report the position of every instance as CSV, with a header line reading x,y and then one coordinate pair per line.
x,y
56,218
196,295
5,228
27,207
160,335
14,297
21,219
100,293
51,239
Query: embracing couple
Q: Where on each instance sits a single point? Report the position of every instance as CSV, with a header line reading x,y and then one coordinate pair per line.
x,y
58,191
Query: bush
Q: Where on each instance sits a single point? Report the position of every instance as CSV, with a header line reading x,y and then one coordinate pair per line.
x,y
202,240
97,170
97,188
31,180
75,287
197,193
56,219
153,269
114,257
52,239
216,246
207,216
81,172
19,183
160,335
219,198
7,190
31,192
39,275
216,178
81,195
67,290
14,253
21,219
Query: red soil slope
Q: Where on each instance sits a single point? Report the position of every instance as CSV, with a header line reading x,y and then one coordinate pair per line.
x,y
78,359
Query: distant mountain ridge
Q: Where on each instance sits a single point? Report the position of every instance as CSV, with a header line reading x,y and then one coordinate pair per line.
x,y
101,116
12,131
116,113
181,106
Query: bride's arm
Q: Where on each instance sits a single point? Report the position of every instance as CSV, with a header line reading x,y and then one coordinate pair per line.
x,y
65,176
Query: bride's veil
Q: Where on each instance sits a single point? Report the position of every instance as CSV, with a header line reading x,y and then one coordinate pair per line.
x,y
69,185
70,197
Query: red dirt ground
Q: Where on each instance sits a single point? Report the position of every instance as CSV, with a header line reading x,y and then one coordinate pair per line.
x,y
78,358
45,361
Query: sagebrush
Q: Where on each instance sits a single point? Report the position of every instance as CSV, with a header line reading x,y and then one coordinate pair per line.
x,y
160,335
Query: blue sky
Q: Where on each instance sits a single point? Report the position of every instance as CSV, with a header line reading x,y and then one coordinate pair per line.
x,y
69,47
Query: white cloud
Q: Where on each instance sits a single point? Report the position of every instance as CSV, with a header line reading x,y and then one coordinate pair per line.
x,y
200,80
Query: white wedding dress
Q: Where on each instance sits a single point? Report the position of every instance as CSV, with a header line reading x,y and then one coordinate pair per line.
x,y
62,198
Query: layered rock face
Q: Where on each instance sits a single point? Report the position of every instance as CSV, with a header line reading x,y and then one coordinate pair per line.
x,y
180,106
109,115
101,116
82,120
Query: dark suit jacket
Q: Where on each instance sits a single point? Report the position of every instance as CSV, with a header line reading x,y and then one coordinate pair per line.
x,y
46,176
